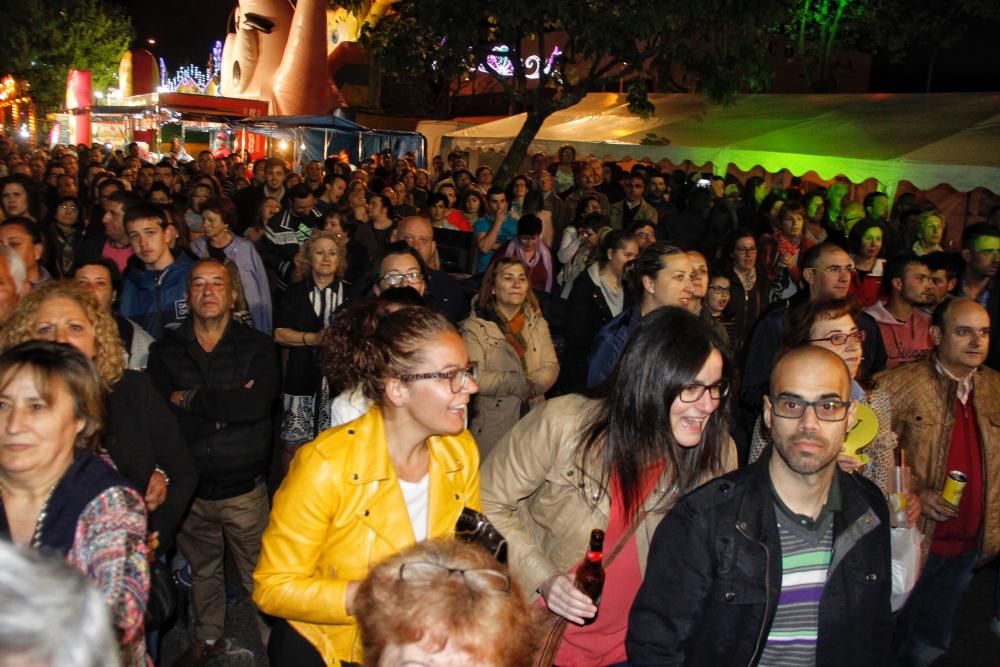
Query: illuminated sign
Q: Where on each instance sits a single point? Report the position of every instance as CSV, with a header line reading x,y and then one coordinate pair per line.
x,y
502,65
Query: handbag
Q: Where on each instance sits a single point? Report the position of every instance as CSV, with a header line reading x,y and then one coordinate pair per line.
x,y
553,626
162,603
474,528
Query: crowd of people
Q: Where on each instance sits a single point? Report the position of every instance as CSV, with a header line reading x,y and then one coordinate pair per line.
x,y
314,375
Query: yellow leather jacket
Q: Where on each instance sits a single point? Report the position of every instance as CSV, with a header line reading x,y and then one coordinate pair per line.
x,y
339,512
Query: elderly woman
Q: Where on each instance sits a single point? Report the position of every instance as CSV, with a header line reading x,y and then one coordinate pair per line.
x,y
220,218
616,458
509,339
366,490
302,315
141,435
57,495
444,603
930,232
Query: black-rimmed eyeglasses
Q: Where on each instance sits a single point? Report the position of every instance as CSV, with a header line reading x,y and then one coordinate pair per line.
x,y
458,378
827,409
693,392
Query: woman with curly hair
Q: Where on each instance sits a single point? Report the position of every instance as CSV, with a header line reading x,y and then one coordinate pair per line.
x,y
509,338
364,491
141,435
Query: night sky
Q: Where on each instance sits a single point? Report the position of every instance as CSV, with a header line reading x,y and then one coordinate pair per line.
x,y
184,30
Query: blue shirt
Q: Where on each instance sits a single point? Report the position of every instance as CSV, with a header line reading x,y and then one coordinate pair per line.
x,y
508,230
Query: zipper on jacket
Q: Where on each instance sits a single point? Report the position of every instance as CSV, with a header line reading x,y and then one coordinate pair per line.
x,y
767,591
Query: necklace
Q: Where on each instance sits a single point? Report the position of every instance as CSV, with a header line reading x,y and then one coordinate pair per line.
x,y
36,537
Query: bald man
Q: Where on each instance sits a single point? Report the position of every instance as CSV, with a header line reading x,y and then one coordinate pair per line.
x,y
945,410
443,292
785,562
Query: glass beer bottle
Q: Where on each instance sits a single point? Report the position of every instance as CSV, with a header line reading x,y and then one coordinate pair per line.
x,y
590,574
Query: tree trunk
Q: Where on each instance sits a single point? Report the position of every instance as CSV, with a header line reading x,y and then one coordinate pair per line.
x,y
519,148
930,70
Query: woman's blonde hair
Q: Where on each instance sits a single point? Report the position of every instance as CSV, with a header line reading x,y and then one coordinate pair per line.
x,y
109,356
320,235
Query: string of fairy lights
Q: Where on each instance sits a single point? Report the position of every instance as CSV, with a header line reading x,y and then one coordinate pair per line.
x,y
192,78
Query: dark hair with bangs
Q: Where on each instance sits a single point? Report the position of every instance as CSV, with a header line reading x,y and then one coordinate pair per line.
x,y
52,363
629,430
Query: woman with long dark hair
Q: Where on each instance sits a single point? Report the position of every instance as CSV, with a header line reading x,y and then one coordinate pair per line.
x,y
615,458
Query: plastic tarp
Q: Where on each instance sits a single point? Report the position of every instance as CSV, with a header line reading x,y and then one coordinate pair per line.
x,y
926,139
322,136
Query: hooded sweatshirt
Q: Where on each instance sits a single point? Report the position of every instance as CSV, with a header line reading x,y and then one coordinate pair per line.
x,y
156,300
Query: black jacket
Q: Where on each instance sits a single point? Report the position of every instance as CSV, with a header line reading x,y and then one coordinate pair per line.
x,y
227,425
142,434
446,295
586,312
713,578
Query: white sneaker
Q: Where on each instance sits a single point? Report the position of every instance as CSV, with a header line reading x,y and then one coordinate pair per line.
x,y
995,625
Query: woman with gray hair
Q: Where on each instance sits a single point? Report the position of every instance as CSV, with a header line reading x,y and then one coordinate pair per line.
x,y
38,594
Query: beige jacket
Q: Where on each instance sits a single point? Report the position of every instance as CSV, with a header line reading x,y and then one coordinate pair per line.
x,y
540,494
923,403
503,384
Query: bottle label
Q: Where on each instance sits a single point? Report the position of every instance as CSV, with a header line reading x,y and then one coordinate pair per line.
x,y
594,556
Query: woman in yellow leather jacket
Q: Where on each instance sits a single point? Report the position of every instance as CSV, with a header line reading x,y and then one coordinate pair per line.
x,y
365,490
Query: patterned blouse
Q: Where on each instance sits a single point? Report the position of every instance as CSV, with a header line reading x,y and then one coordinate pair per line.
x,y
110,549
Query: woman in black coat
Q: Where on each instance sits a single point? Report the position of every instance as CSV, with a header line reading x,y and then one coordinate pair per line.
x,y
597,296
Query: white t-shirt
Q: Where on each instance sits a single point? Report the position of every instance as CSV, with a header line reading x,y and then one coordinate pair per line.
x,y
417,497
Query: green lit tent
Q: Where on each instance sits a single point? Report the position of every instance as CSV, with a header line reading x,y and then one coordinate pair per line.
x,y
928,140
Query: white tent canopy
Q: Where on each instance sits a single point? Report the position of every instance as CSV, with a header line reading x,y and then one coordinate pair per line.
x,y
928,140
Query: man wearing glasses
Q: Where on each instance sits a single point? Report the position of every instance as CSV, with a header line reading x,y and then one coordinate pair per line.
x,y
826,270
784,562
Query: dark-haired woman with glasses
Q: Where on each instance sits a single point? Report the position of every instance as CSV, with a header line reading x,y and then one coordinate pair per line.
x,y
366,490
832,324
63,234
400,266
616,457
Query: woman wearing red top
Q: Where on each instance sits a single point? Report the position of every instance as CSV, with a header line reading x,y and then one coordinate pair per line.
x,y
617,455
867,241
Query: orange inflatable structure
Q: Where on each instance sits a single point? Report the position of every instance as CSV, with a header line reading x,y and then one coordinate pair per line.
x,y
138,73
278,53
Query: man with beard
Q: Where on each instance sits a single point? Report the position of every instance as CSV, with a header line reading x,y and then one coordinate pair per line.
x,y
945,413
905,328
785,562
